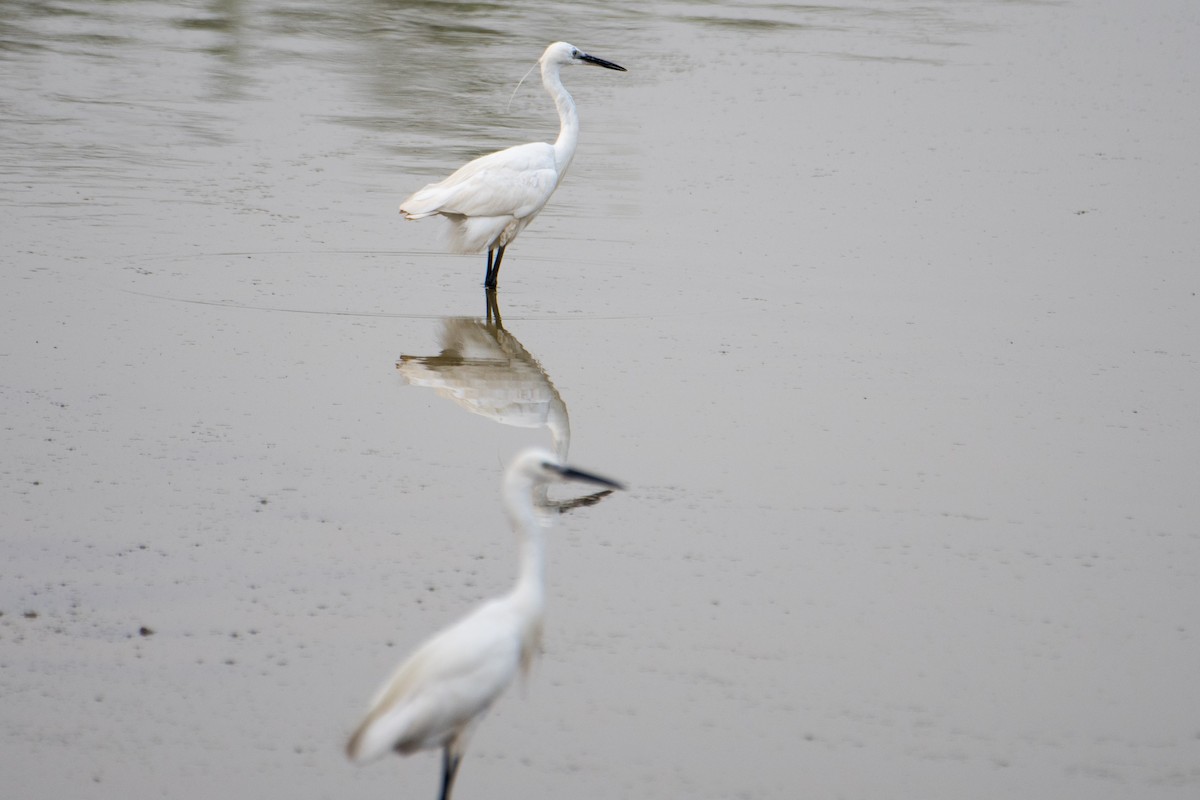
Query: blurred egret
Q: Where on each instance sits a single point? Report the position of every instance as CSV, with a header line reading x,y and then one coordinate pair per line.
x,y
440,693
491,199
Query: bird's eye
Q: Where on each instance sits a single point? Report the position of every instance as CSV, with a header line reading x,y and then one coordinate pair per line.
x,y
574,54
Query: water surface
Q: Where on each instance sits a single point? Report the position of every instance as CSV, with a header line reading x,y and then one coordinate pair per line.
x,y
886,312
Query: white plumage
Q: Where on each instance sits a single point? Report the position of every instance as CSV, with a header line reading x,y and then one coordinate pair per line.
x,y
491,199
443,689
437,696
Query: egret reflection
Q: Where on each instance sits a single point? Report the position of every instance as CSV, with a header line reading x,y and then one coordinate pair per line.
x,y
485,370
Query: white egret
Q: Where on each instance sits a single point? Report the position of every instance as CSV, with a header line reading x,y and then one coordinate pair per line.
x,y
440,693
491,199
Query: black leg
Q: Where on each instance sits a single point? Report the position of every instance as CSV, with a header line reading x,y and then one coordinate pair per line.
x,y
494,268
449,770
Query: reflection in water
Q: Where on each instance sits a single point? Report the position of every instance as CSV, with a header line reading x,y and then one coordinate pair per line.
x,y
484,369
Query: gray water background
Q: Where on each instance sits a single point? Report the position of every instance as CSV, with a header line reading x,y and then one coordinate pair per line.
x,y
886,312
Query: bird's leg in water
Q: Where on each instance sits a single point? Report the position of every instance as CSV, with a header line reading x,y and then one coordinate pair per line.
x,y
449,770
493,308
493,271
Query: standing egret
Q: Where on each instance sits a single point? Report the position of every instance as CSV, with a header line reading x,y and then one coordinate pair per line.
x,y
440,693
491,199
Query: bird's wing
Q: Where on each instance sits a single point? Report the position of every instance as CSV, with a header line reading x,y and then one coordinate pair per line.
x,y
446,683
515,182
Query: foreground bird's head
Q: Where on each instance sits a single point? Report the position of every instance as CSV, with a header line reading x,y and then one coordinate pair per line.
x,y
561,54
537,467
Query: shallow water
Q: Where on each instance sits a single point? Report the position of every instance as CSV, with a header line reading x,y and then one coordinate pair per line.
x,y
887,313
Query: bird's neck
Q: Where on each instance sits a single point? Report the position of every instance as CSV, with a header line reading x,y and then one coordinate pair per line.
x,y
568,120
531,565
528,596
530,575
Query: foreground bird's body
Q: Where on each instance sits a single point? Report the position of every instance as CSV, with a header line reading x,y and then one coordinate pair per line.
x,y
491,199
437,696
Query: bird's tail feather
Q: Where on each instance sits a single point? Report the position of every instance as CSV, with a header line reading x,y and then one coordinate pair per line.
x,y
424,202
467,234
